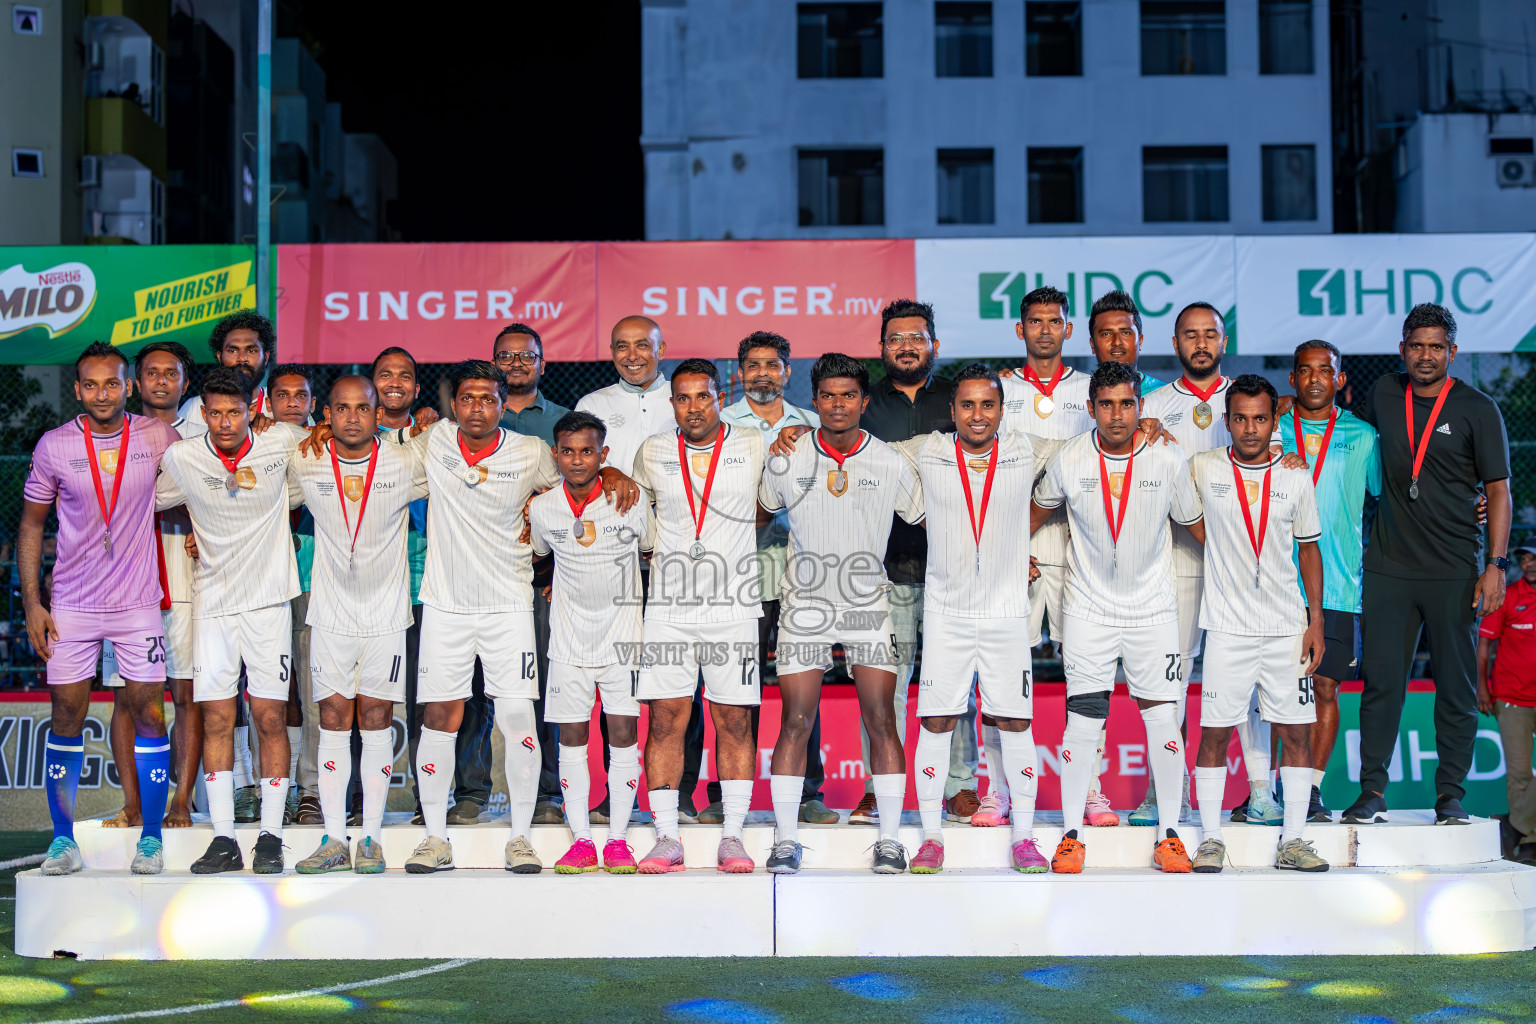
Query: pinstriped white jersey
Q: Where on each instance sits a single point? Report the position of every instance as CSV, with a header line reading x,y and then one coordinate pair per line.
x,y
1129,583
1179,410
955,585
476,558
1234,602
839,523
368,593
724,585
1069,416
630,416
244,542
174,528
595,597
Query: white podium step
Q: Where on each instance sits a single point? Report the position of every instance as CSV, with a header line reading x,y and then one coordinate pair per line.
x,y
1411,840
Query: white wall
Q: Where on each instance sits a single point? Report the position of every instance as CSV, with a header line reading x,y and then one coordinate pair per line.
x,y
1445,177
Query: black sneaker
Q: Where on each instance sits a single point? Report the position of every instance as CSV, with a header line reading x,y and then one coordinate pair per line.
x,y
1448,811
1316,811
223,854
1240,812
890,857
686,812
1369,809
1524,853
267,858
785,858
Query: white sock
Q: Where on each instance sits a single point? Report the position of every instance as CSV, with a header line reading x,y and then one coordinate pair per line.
x,y
786,790
1102,741
576,784
274,801
997,768
664,810
1020,765
1253,737
1317,777
220,788
623,780
930,770
735,799
378,763
1180,702
514,717
1298,797
1210,789
335,770
890,794
296,745
1078,742
434,778
243,774
1165,755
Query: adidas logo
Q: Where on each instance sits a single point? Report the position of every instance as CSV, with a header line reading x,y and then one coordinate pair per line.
x,y
1444,428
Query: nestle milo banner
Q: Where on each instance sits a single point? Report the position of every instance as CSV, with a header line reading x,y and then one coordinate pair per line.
x,y
55,300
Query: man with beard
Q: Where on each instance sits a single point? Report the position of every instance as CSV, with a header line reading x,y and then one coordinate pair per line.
x,y
763,361
245,340
518,353
640,404
1441,440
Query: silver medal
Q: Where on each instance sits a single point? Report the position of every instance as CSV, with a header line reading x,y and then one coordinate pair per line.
x,y
1413,489
472,476
231,484
107,542
696,552
578,529
1045,405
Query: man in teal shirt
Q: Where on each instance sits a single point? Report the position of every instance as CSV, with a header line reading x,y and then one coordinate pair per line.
x,y
1342,451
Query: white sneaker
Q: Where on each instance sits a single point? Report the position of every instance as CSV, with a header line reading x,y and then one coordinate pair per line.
x,y
431,854
63,857
1262,810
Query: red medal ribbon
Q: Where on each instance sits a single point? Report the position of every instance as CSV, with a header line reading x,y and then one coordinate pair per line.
x,y
473,458
165,580
1322,453
1125,491
832,453
341,491
1205,395
232,464
986,490
697,514
577,510
1040,385
117,477
1434,414
1257,540
260,403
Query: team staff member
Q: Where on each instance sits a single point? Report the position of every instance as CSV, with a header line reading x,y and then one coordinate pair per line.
x,y
1425,567
1507,645
640,404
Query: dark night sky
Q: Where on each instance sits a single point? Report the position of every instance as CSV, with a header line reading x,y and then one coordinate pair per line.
x,y
509,120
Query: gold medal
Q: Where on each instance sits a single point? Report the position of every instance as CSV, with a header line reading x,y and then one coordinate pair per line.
x,y
1203,415
837,482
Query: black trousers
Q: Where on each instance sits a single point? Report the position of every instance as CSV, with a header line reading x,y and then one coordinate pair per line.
x,y
1394,613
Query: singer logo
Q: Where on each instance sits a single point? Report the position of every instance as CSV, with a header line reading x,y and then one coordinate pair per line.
x,y
330,766
527,743
429,769
1172,746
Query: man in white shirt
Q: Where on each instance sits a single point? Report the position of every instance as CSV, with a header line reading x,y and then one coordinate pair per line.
x,y
1119,611
1261,635
702,606
359,493
234,485
246,341
639,405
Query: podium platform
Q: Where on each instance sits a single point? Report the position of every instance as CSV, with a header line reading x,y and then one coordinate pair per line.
x,y
1404,887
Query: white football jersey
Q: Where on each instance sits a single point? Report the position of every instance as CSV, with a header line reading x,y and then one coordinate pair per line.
x,y
631,415
363,590
997,585
1025,408
723,585
1199,426
174,528
839,519
1129,583
1245,594
594,618
192,408
476,558
244,541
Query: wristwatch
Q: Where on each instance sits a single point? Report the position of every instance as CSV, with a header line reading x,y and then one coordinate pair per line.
x,y
1501,563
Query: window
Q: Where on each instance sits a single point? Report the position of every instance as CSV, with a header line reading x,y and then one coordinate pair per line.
x,y
1055,186
966,186
1183,37
842,187
1053,38
1290,183
962,40
840,41
1500,147
1184,183
1285,37
26,163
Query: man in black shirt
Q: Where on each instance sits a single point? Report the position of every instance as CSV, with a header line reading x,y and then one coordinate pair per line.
x,y
1440,440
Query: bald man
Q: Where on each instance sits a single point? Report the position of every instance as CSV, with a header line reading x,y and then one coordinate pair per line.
x,y
639,405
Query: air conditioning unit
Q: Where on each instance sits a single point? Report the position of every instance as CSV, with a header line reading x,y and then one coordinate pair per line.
x,y
1515,171
90,172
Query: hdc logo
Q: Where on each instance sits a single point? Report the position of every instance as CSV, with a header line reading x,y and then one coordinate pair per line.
x,y
1329,292
999,294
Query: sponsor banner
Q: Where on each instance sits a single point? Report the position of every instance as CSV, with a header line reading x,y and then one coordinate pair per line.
x,y
975,285
443,302
56,300
1354,290
824,296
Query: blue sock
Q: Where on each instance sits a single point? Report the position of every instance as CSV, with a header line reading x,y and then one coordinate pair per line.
x,y
152,760
65,754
